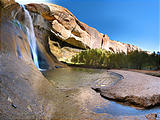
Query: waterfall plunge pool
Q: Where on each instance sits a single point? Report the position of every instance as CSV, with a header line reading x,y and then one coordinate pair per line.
x,y
76,84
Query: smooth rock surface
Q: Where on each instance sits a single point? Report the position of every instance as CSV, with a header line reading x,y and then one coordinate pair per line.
x,y
24,91
135,88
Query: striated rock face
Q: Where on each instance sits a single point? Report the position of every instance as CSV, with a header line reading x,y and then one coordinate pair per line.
x,y
24,92
55,25
115,46
62,26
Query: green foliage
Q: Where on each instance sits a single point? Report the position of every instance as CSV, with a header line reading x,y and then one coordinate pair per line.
x,y
103,58
92,57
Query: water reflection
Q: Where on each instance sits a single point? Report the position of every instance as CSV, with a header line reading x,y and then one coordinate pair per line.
x,y
78,77
80,100
116,109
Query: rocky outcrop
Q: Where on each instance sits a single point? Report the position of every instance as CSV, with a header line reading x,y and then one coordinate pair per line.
x,y
135,88
55,24
42,32
24,92
62,53
114,46
62,26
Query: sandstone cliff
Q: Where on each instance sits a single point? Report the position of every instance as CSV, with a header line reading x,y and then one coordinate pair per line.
x,y
67,35
58,32
23,88
24,92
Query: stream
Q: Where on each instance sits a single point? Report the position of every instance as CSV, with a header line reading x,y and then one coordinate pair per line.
x,y
79,99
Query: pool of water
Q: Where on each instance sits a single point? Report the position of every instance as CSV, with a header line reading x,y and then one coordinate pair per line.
x,y
77,83
116,109
81,77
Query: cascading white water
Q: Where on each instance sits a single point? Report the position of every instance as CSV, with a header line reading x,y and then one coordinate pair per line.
x,y
31,36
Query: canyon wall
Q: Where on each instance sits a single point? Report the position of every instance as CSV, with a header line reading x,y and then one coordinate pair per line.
x,y
24,92
67,35
59,34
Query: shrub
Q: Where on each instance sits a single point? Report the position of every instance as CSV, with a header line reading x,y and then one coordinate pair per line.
x,y
92,57
103,58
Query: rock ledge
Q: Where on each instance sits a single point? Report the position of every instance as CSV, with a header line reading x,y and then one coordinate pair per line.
x,y
136,88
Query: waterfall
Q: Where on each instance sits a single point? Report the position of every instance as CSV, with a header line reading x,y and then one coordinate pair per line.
x,y
31,36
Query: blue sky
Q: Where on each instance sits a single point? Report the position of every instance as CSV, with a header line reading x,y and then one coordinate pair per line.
x,y
130,21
